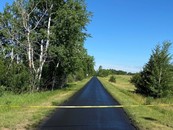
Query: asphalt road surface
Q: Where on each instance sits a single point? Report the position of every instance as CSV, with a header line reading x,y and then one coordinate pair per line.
x,y
93,94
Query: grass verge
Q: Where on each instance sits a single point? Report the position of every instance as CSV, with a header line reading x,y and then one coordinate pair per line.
x,y
145,118
28,118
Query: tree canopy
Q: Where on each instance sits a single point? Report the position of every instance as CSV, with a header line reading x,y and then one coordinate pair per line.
x,y
42,42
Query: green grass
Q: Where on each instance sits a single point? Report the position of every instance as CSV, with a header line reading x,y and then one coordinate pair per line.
x,y
28,118
151,118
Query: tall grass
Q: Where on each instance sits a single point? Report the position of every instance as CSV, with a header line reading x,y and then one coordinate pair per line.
x,y
152,118
28,118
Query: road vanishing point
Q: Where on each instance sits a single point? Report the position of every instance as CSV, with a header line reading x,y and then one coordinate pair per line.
x,y
93,94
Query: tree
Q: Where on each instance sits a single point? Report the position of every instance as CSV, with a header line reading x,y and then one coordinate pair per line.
x,y
20,25
156,78
47,37
103,72
67,51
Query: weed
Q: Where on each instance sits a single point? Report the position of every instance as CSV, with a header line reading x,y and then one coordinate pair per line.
x,y
23,117
152,118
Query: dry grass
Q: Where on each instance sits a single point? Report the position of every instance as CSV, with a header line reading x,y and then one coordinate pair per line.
x,y
28,118
152,118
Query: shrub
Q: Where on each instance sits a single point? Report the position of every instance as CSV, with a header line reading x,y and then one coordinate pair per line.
x,y
70,78
17,78
79,75
112,79
156,78
2,89
3,69
135,78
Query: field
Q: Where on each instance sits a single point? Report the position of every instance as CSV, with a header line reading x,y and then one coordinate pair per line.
x,y
28,118
155,117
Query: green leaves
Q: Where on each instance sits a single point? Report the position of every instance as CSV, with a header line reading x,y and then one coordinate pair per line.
x,y
47,39
156,78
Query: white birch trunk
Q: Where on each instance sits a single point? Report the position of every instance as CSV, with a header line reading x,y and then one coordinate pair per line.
x,y
29,50
43,52
54,77
36,70
12,55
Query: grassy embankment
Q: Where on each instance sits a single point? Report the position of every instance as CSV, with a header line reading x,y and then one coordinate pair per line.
x,y
28,118
151,118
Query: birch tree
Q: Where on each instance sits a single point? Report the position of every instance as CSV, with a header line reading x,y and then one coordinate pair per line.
x,y
32,16
22,27
47,37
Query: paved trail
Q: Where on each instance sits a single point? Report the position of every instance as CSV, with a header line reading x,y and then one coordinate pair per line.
x,y
93,94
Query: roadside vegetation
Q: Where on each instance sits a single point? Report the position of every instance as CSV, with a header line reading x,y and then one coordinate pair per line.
x,y
152,86
156,78
42,45
29,118
151,118
112,79
101,72
41,53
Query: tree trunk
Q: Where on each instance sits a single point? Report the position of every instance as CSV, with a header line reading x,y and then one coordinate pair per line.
x,y
54,77
43,53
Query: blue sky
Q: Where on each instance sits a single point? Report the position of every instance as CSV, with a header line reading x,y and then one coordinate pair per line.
x,y
125,31
3,2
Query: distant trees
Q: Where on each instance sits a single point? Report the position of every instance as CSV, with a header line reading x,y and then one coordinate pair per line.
x,y
102,72
105,72
41,43
156,79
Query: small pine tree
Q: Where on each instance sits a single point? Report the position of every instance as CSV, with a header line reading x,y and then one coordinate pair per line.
x,y
156,78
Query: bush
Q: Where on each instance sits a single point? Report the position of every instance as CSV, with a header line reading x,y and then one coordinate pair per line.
x,y
136,79
70,78
80,75
112,79
17,78
2,89
3,69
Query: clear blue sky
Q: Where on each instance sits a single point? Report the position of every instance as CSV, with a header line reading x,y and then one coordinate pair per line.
x,y
125,31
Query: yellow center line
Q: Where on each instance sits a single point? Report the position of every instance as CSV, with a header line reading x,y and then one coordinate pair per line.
x,y
72,107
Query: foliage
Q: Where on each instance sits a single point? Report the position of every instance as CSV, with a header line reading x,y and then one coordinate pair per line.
x,y
42,42
14,77
156,78
2,71
135,79
2,90
118,72
25,118
102,72
112,79
143,117
105,72
18,79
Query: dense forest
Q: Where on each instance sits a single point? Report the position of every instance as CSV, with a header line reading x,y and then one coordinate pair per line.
x,y
42,44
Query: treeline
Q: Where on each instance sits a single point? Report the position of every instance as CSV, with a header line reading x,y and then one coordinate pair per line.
x,y
42,44
156,78
105,72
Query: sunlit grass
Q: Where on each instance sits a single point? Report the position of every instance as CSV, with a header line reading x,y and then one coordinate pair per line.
x,y
28,118
152,118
